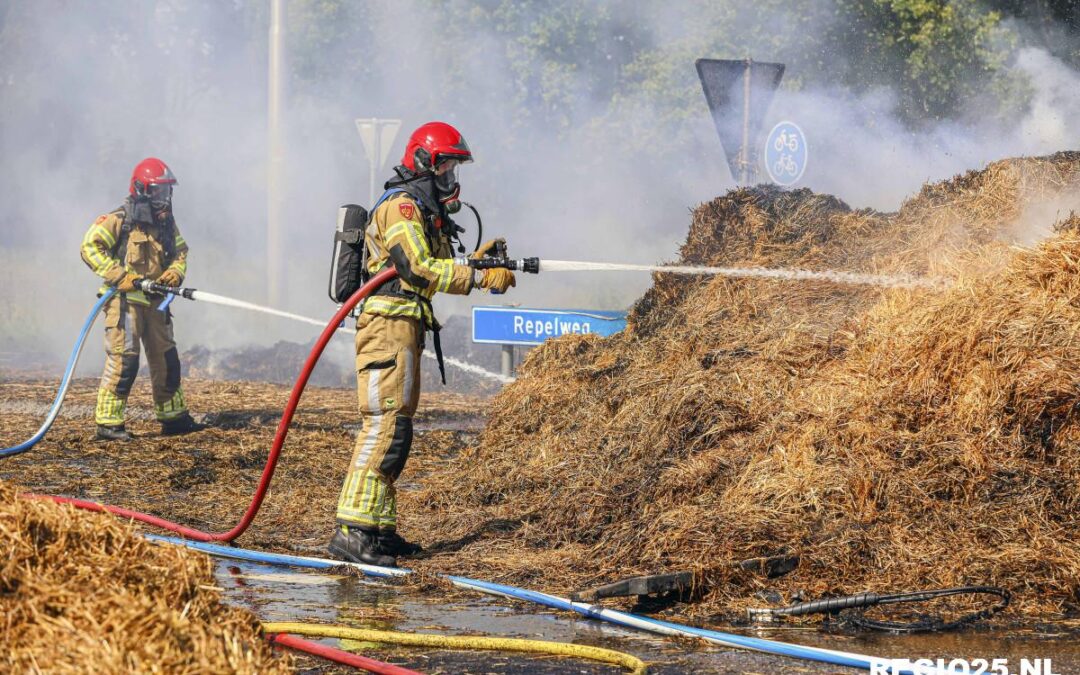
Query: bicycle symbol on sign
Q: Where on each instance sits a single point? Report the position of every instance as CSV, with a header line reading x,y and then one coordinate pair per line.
x,y
786,153
788,141
786,166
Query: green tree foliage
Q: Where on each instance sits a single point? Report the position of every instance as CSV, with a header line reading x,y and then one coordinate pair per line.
x,y
939,55
1051,24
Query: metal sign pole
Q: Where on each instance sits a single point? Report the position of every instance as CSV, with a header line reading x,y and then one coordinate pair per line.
x,y
745,155
373,168
508,360
275,182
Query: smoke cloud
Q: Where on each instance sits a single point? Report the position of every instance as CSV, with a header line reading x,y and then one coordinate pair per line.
x,y
87,90
862,153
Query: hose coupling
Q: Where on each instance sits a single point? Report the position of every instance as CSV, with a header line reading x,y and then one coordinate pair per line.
x,y
761,615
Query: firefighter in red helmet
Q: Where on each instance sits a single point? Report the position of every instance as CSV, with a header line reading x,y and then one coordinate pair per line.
x,y
411,229
139,240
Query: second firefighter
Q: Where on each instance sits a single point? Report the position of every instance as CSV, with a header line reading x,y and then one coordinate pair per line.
x,y
137,241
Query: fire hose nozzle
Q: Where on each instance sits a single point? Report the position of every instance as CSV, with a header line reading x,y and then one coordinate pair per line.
x,y
530,265
147,286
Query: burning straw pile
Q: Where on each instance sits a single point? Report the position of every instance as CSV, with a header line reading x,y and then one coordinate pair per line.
x,y
893,439
83,593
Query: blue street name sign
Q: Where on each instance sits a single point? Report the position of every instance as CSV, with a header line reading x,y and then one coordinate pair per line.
x,y
786,153
520,326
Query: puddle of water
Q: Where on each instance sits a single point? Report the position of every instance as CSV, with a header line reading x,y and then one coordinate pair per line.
x,y
275,594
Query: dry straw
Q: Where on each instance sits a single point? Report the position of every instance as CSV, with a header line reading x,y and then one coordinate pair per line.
x,y
83,593
893,439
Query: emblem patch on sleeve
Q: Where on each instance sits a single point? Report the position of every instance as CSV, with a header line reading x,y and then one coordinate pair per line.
x,y
100,220
407,210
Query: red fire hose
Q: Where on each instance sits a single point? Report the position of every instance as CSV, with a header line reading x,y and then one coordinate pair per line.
x,y
279,438
338,656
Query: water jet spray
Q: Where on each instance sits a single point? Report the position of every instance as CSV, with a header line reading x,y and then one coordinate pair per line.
x,y
147,286
536,265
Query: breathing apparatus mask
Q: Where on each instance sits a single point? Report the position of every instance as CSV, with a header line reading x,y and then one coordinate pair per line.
x,y
447,188
152,203
160,196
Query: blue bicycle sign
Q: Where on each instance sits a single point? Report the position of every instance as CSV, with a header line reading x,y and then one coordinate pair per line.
x,y
785,153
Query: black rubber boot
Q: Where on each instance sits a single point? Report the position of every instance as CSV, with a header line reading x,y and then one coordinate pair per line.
x,y
393,543
356,545
113,433
184,424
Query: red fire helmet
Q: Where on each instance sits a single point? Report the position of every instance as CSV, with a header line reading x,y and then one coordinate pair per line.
x,y
432,143
150,171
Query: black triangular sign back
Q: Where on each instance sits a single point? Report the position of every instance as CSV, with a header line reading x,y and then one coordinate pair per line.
x,y
723,82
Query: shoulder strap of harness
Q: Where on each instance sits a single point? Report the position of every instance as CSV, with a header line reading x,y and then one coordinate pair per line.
x,y
386,195
169,243
126,219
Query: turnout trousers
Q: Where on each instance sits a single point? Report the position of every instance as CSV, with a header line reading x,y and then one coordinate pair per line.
x,y
388,384
127,324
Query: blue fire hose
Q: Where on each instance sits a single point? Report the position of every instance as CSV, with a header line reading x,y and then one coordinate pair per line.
x,y
624,619
68,372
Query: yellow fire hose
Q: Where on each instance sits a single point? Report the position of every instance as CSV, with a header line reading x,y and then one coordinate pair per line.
x,y
632,663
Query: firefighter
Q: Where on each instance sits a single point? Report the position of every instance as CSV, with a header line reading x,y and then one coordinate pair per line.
x,y
411,229
139,241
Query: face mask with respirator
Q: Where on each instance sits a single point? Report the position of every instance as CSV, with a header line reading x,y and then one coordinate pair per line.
x,y
448,189
152,203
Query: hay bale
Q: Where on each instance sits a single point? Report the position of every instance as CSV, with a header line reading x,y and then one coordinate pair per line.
x,y
894,439
82,592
